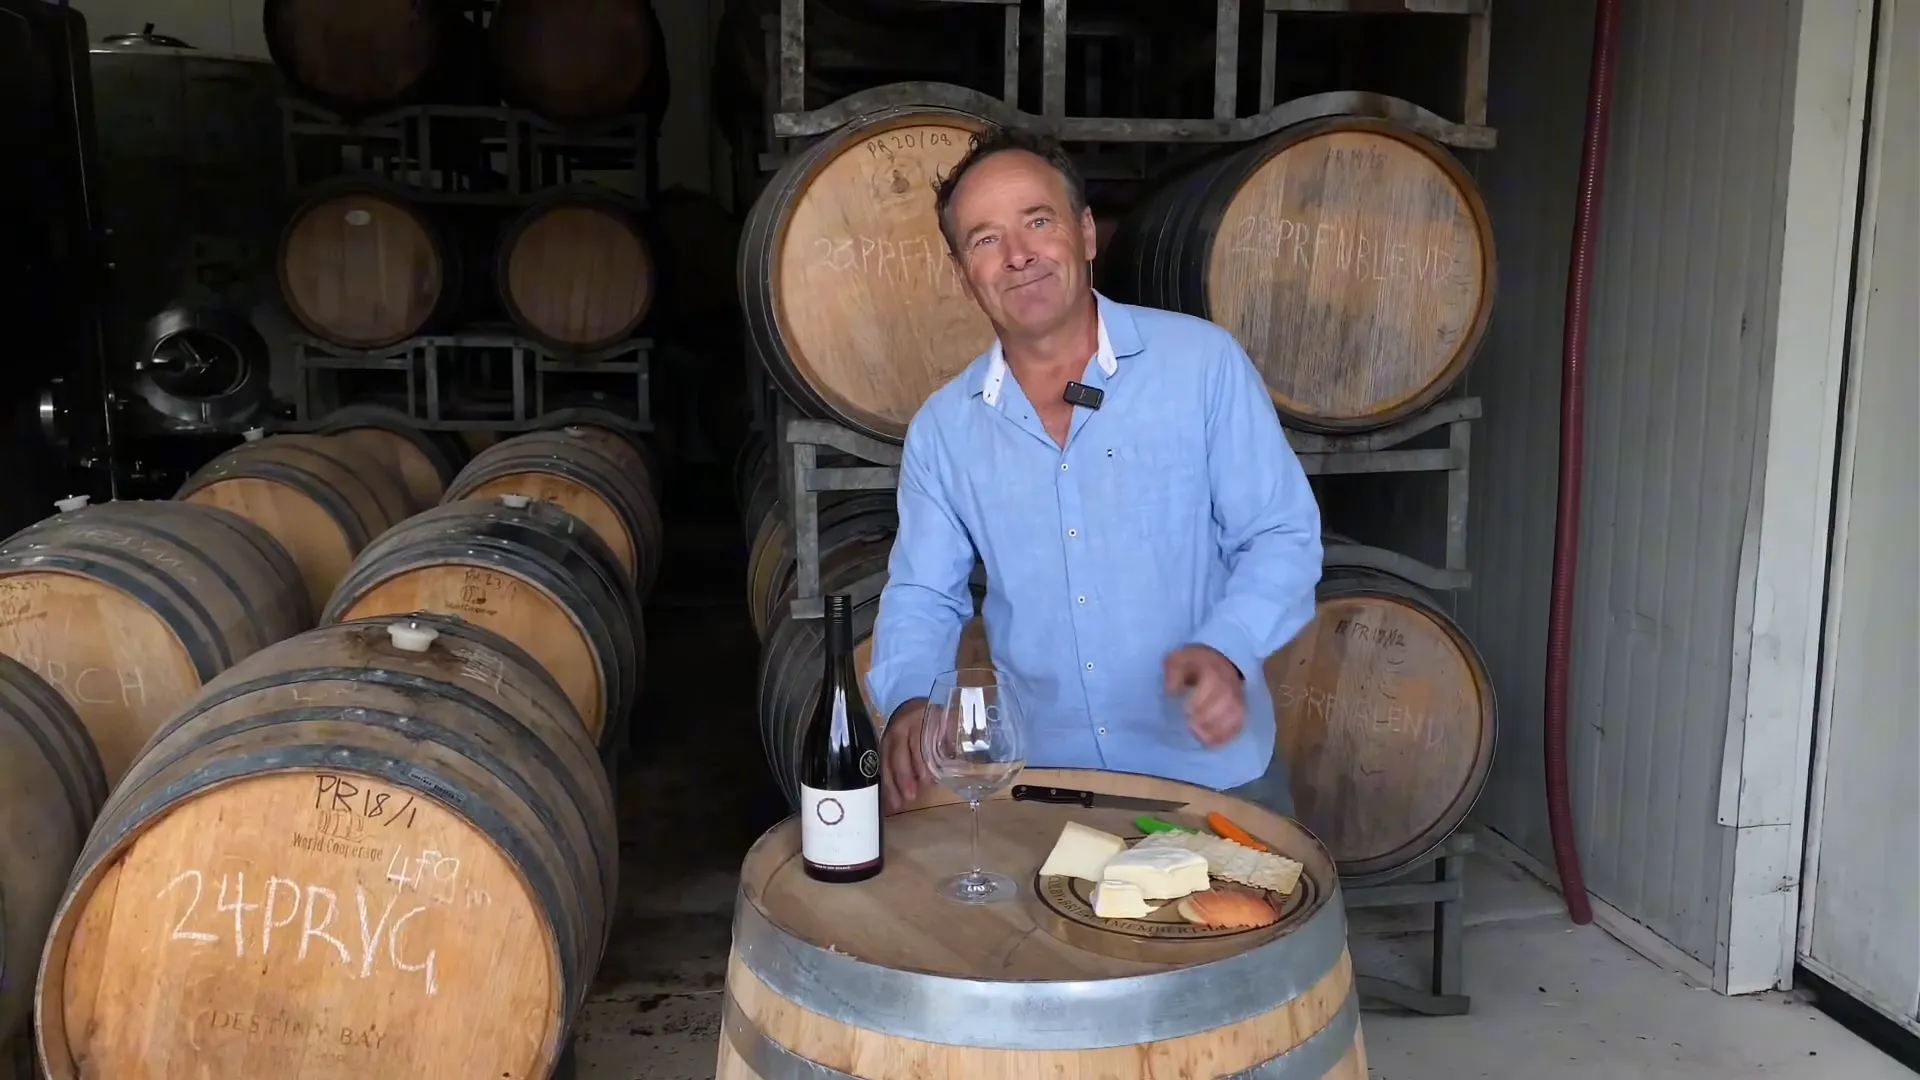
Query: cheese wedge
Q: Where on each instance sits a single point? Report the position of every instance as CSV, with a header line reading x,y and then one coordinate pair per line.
x,y
1120,900
1163,873
1082,852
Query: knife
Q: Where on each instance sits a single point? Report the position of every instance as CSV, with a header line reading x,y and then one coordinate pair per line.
x,y
1091,799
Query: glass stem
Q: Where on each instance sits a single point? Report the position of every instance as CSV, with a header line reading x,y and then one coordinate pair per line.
x,y
976,837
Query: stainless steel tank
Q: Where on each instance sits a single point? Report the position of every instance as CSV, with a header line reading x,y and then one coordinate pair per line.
x,y
191,189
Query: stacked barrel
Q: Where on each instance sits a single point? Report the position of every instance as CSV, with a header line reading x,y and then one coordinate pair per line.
x,y
1350,256
317,757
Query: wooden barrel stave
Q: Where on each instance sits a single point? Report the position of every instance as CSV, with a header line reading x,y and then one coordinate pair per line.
x,y
593,474
156,598
426,462
321,498
51,786
534,574
772,562
1353,260
363,266
481,764
579,61
1387,720
870,318
592,411
870,988
577,271
794,655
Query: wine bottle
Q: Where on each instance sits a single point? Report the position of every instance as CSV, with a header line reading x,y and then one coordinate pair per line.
x,y
840,767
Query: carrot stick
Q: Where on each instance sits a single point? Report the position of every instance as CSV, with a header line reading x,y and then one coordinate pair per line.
x,y
1233,832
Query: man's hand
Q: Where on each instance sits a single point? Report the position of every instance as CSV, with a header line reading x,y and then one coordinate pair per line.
x,y
903,766
1215,693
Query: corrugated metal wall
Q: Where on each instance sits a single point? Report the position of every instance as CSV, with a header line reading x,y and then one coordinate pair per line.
x,y
1682,322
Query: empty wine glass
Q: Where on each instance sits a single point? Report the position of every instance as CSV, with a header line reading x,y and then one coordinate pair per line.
x,y
975,742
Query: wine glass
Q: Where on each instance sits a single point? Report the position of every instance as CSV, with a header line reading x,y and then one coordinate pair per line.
x,y
975,742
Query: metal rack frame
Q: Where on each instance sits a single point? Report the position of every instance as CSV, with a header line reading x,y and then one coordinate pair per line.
x,y
423,362
412,146
793,120
1445,888
875,466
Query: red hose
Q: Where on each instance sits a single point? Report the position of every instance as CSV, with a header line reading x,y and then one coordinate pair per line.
x,y
1566,528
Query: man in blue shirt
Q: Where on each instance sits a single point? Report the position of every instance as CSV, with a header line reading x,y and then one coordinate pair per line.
x,y
1144,557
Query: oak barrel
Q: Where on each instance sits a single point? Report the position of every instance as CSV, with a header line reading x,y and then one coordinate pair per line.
x,y
1351,258
424,461
378,848
772,562
528,571
364,267
794,654
128,608
593,409
588,471
361,56
884,979
51,785
1387,719
851,301
576,61
319,496
576,270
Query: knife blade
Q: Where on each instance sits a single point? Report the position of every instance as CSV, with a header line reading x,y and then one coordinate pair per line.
x,y
1091,799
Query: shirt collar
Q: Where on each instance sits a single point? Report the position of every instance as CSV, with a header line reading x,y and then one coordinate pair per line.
x,y
994,376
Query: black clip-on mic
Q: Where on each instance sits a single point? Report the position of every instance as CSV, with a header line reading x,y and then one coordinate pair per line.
x,y
1083,395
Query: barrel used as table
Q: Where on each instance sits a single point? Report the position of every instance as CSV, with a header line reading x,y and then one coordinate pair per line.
x,y
886,979
425,461
793,659
128,608
851,301
528,571
380,848
321,498
1387,719
365,267
1353,259
51,785
594,474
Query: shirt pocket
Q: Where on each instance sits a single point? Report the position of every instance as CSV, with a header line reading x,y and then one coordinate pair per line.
x,y
1163,479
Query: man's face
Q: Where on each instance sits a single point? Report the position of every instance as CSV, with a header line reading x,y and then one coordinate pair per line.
x,y
1021,248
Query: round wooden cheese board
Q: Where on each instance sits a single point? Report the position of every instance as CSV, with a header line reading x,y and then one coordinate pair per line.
x,y
1063,906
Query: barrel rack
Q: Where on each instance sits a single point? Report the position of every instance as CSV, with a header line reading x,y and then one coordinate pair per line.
x,y
481,155
789,119
537,380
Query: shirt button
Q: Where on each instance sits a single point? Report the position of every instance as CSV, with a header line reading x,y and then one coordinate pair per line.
x,y
1082,599
1089,665
1073,532
1103,731
1063,466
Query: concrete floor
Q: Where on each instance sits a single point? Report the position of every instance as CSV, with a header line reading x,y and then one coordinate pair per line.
x,y
1550,1000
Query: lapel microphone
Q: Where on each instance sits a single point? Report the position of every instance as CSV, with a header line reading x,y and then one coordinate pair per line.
x,y
1082,395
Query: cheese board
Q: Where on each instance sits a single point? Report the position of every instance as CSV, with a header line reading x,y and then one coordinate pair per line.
x,y
1172,893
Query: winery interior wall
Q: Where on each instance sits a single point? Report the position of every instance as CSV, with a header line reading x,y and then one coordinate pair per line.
x,y
1683,310
233,26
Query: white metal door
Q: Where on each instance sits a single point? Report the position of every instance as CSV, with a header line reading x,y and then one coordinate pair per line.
x,y
1860,914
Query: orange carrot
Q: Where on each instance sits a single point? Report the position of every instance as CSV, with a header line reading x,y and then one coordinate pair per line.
x,y
1233,832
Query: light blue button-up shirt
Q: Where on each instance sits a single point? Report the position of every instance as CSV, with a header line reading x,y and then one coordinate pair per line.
x,y
1177,514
